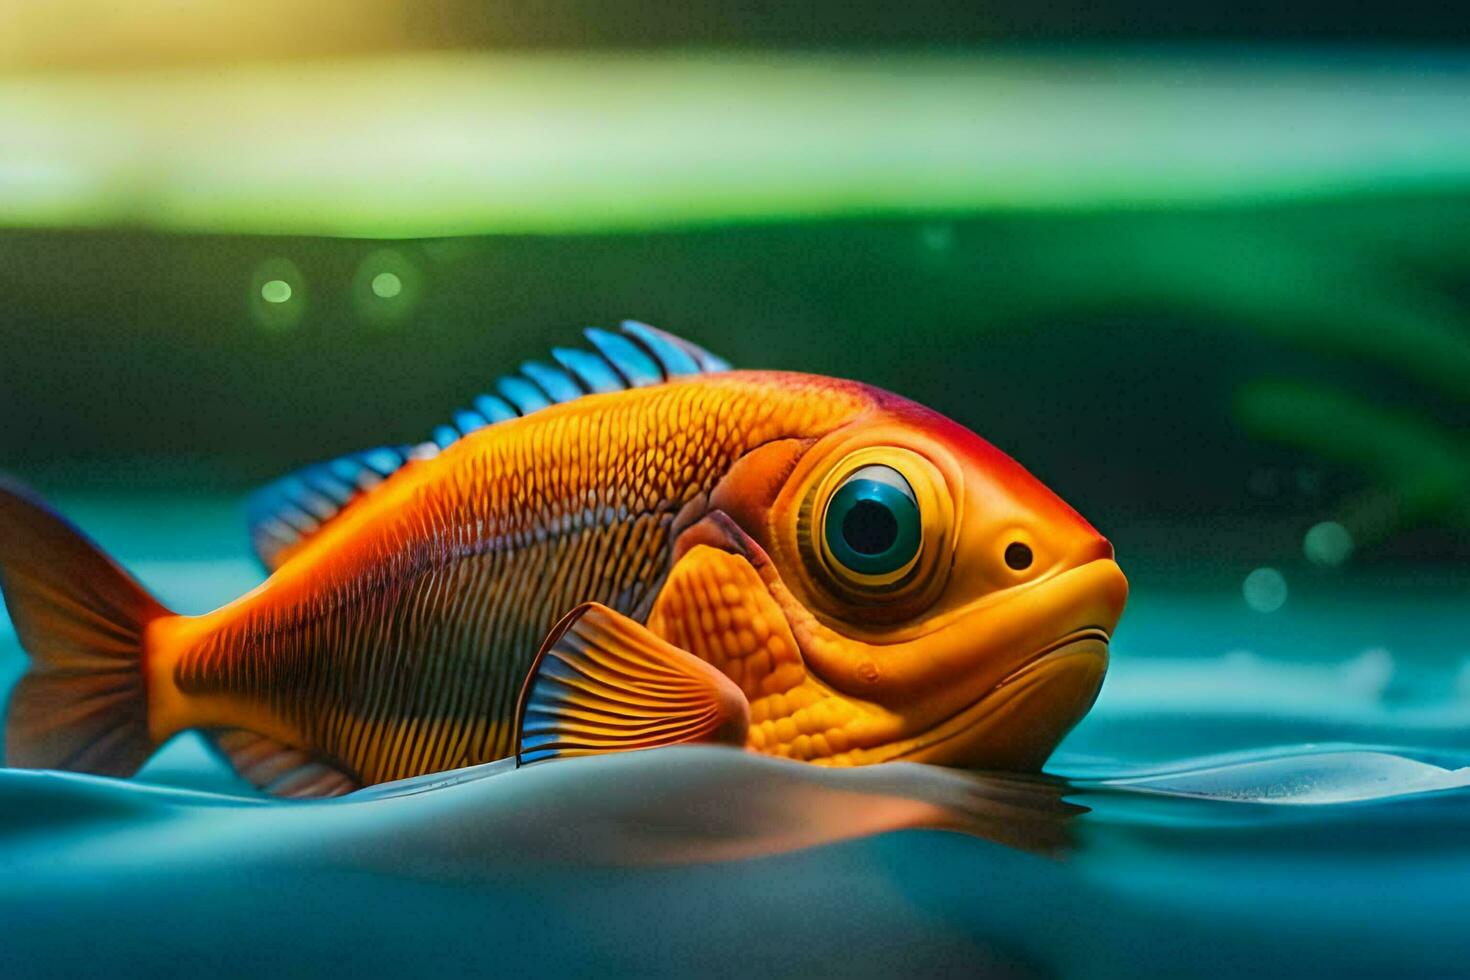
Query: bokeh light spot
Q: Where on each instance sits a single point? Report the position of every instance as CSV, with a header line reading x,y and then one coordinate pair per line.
x,y
1328,544
1308,481
278,294
1264,590
937,237
386,285
276,291
1264,482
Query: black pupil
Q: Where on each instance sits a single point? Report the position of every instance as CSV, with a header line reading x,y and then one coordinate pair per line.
x,y
1018,556
869,528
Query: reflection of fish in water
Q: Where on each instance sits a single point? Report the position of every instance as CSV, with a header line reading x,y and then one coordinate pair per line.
x,y
682,805
808,567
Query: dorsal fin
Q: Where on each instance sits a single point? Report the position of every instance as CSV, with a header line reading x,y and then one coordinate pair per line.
x,y
638,356
284,514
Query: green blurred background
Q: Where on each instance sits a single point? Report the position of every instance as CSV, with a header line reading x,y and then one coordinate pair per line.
x,y
1204,271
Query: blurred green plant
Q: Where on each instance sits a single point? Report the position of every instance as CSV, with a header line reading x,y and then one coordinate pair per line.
x,y
1419,468
1367,291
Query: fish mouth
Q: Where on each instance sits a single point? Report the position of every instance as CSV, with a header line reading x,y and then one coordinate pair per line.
x,y
1017,723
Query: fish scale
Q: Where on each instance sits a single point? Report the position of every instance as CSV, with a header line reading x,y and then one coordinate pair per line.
x,y
400,642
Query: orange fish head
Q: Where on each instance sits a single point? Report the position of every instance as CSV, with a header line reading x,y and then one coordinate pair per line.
x,y
957,606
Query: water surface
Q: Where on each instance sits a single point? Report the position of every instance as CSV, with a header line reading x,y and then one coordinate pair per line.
x,y
1252,794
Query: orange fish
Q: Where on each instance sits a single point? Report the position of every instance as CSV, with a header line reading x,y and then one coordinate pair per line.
x,y
635,546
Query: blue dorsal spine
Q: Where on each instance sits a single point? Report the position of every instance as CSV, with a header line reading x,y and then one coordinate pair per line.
x,y
283,514
638,356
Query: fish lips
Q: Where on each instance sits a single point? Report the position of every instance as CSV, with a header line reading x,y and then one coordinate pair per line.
x,y
970,694
1035,692
1016,725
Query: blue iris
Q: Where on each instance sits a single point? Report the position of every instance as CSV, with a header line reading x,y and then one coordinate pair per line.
x,y
872,525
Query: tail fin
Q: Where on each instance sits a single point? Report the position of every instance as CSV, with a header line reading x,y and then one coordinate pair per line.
x,y
83,706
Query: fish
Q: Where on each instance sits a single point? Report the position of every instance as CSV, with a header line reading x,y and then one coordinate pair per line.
x,y
633,545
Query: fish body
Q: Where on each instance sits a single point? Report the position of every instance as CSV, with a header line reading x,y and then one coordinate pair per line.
x,y
396,640
405,622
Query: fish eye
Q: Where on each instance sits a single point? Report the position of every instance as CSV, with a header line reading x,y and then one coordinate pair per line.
x,y
1018,556
872,525
874,531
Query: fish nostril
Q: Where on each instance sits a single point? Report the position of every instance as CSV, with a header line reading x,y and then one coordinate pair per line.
x,y
1018,556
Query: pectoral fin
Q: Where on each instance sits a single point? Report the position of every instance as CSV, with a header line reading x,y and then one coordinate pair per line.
x,y
604,683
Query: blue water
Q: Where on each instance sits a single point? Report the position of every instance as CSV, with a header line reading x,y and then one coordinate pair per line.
x,y
1253,794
